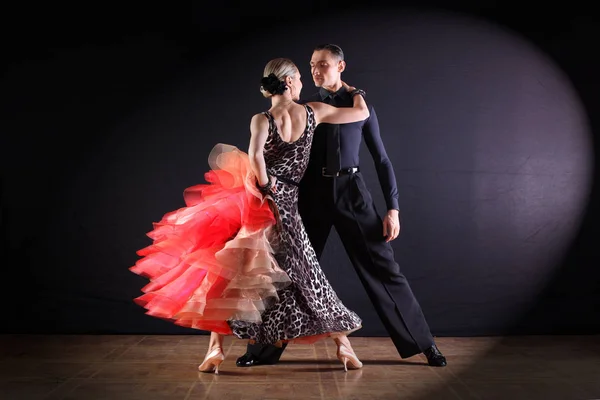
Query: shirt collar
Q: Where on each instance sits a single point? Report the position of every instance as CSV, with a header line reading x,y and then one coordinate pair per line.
x,y
324,93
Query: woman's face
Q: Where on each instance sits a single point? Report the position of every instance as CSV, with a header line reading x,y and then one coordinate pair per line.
x,y
295,85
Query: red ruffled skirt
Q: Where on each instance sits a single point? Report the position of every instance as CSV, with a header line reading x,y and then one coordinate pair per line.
x,y
212,261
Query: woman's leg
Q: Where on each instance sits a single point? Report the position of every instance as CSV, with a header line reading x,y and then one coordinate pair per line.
x,y
345,353
214,355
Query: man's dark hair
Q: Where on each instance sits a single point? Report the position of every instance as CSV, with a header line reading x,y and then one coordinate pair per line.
x,y
333,49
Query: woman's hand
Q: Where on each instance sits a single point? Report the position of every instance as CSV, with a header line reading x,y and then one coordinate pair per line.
x,y
347,87
273,182
269,187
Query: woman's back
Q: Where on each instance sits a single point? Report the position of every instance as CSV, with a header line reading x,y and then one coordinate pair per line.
x,y
288,144
290,122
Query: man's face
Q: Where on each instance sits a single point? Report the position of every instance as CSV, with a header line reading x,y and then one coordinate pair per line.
x,y
325,68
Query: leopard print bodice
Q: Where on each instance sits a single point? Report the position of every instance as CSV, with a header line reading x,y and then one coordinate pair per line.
x,y
289,159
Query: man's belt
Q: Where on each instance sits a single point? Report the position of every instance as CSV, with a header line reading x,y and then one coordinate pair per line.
x,y
343,171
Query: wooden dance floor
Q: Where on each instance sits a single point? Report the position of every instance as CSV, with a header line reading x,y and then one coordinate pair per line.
x,y
90,367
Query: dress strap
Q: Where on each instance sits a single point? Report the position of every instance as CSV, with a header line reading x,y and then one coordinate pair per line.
x,y
310,119
271,120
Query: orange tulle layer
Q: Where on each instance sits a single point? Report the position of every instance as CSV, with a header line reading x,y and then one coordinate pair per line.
x,y
212,260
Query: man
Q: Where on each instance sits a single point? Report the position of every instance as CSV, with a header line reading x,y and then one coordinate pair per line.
x,y
333,193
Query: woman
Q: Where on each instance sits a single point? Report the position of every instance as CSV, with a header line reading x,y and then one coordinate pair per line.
x,y
211,263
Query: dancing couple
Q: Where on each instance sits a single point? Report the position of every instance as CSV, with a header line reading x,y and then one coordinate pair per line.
x,y
237,259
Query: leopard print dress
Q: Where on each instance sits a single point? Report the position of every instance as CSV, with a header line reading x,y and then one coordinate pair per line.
x,y
309,307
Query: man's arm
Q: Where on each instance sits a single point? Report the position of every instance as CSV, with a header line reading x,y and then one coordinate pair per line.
x,y
383,165
385,173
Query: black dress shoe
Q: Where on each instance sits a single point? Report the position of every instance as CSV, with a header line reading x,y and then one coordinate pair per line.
x,y
247,360
435,357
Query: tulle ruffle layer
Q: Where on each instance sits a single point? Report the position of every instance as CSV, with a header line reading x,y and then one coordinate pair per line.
x,y
212,260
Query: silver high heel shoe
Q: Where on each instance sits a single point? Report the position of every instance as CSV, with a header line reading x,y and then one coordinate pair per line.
x,y
347,356
212,361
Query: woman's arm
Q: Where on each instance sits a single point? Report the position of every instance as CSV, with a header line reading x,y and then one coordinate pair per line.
x,y
259,131
324,113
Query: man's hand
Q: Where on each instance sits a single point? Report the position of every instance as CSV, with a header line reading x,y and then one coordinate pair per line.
x,y
391,225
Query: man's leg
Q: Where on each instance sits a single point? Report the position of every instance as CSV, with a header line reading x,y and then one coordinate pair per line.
x,y
361,230
316,208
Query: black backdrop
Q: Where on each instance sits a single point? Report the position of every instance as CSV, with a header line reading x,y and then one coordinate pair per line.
x,y
489,114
